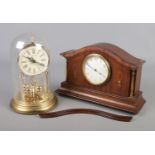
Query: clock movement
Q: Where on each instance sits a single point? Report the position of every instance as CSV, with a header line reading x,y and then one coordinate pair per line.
x,y
104,74
30,70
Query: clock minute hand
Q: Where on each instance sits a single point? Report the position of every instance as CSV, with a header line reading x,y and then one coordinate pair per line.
x,y
40,64
90,67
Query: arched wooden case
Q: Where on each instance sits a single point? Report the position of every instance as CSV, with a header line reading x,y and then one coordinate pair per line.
x,y
120,91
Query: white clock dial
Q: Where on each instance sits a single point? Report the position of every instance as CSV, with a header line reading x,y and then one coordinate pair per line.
x,y
33,60
96,69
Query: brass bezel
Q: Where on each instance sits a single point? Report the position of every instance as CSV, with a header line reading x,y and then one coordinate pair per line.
x,y
105,61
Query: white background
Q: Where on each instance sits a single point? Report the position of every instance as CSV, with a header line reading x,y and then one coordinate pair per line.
x,y
77,142
137,39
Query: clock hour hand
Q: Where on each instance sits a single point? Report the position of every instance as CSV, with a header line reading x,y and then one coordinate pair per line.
x,y
99,73
34,61
95,70
27,57
30,59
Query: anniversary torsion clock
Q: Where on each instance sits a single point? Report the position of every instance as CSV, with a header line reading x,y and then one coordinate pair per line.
x,y
105,74
30,69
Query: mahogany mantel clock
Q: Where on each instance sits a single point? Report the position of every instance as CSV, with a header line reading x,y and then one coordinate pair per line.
x,y
105,74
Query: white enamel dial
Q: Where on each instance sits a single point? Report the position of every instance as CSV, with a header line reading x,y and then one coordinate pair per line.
x,y
96,69
33,60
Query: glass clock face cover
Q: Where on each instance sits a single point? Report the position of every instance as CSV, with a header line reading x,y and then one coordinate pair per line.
x,y
96,69
33,60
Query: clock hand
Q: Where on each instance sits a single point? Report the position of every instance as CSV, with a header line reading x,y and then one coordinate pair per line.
x,y
34,61
95,70
100,73
29,58
40,64
91,68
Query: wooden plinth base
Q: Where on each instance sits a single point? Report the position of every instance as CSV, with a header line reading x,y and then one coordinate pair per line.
x,y
128,104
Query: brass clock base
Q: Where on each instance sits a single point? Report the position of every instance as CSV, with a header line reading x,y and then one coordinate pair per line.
x,y
34,108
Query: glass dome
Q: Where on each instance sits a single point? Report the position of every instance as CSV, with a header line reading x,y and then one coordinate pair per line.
x,y
30,67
